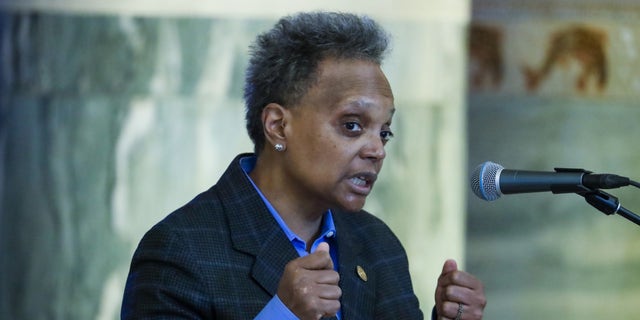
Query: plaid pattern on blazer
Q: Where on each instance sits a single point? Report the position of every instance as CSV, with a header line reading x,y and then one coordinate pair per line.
x,y
221,256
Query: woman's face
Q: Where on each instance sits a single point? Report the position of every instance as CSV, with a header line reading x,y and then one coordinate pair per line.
x,y
336,135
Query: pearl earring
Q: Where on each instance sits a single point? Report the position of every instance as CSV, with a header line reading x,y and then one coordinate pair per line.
x,y
279,147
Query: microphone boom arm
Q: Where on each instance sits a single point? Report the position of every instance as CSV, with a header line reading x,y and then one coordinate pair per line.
x,y
608,204
603,201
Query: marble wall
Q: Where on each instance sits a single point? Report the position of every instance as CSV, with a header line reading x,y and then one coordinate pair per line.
x,y
113,116
557,87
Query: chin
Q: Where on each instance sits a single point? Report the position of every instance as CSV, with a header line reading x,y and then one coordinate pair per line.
x,y
352,206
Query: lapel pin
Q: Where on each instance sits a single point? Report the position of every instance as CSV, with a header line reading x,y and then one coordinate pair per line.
x,y
361,273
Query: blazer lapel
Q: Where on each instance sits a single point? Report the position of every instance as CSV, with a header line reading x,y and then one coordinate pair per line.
x,y
253,229
357,288
271,260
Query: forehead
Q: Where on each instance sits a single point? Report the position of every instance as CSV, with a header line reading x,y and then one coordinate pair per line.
x,y
341,74
349,82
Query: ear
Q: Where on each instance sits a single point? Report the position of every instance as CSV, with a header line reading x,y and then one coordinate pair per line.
x,y
274,121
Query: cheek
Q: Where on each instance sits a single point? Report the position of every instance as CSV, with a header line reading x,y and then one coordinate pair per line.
x,y
321,145
335,153
327,158
324,146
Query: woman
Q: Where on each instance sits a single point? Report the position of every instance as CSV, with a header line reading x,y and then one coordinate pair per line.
x,y
282,234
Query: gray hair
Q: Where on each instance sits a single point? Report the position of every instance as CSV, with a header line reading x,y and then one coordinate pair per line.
x,y
284,60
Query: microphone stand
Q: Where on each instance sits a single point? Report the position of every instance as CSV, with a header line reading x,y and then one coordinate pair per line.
x,y
609,204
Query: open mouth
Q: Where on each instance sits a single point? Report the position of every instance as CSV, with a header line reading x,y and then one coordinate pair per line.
x,y
359,181
363,181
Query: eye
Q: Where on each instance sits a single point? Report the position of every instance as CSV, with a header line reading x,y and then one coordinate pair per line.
x,y
386,135
353,126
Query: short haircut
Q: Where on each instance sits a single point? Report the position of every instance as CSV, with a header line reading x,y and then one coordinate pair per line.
x,y
284,60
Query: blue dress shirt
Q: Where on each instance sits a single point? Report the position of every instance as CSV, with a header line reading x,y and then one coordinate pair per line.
x,y
276,309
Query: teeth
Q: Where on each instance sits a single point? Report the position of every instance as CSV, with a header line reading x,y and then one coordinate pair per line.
x,y
359,181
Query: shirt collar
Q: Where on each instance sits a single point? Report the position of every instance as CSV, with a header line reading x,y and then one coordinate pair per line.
x,y
328,229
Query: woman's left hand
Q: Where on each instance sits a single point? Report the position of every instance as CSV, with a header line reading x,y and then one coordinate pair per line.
x,y
459,295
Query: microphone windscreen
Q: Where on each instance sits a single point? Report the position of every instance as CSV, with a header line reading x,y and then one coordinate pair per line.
x,y
483,181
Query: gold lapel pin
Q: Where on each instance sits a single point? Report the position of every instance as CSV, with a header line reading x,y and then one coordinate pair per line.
x,y
361,273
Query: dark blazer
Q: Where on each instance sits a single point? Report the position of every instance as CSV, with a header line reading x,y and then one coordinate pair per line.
x,y
221,256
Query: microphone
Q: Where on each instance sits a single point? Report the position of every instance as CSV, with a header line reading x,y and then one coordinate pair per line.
x,y
490,180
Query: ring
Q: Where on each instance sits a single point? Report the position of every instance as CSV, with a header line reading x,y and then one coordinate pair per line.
x,y
460,310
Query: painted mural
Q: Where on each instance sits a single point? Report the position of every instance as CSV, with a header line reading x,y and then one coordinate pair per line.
x,y
555,84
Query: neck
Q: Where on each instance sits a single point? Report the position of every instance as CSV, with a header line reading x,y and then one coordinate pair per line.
x,y
302,216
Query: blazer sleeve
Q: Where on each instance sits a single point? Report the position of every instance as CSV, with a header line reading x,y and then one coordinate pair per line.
x,y
162,283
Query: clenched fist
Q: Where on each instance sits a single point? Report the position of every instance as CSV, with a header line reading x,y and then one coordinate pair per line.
x,y
459,295
309,286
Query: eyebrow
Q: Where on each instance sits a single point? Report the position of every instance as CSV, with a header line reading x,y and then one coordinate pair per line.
x,y
393,111
360,104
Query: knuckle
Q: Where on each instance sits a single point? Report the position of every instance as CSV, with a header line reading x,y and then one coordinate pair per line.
x,y
449,308
483,302
477,314
450,293
304,290
331,307
456,276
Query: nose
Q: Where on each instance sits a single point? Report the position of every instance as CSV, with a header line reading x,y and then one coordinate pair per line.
x,y
373,148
